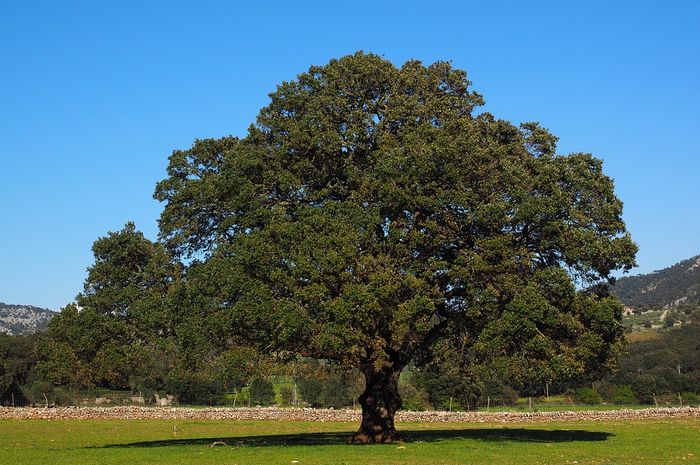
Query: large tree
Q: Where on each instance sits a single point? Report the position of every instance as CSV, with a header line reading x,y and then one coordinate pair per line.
x,y
371,213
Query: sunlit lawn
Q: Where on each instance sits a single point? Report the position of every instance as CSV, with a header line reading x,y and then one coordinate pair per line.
x,y
277,442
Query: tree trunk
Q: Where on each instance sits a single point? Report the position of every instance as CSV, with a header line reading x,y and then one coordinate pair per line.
x,y
379,401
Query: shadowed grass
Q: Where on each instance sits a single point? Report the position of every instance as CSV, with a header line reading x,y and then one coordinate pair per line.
x,y
331,439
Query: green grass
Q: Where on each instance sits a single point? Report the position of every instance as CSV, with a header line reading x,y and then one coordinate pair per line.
x,y
276,442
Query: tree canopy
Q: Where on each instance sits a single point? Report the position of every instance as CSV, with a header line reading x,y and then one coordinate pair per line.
x,y
119,327
372,215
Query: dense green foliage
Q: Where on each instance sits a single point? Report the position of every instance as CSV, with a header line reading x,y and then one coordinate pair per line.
x,y
261,392
129,330
371,217
17,361
648,369
669,364
588,396
449,389
119,329
371,213
326,385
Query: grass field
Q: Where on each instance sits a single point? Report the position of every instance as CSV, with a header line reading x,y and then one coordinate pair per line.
x,y
276,442
643,335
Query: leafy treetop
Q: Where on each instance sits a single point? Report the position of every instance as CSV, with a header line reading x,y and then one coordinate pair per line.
x,y
371,214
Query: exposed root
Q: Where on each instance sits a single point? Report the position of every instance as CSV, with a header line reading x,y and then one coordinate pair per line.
x,y
363,437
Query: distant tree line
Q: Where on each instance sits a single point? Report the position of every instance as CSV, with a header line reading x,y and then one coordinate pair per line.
x,y
53,365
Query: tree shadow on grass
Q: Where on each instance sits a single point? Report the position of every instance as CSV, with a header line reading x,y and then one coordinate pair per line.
x,y
409,436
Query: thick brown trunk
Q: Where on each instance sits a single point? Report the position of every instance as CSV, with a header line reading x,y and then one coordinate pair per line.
x,y
379,402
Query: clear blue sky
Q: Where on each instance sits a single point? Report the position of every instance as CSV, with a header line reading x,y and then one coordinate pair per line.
x,y
94,96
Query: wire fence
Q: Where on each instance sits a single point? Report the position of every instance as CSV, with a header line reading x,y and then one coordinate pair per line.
x,y
292,396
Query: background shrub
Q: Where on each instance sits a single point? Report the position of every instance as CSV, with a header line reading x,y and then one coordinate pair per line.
x,y
261,392
588,396
691,398
623,395
286,394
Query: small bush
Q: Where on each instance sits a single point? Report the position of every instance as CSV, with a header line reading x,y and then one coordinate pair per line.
x,y
691,398
605,389
413,399
644,387
452,404
34,395
36,391
326,388
623,395
286,394
243,398
669,321
588,396
195,391
145,386
261,392
509,397
498,392
62,397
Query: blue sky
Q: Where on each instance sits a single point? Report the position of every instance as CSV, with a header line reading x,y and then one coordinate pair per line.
x,y
93,99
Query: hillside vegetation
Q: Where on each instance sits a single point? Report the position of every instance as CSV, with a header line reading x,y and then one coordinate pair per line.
x,y
675,286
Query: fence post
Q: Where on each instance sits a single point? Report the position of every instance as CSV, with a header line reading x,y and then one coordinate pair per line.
x,y
450,403
488,403
45,400
656,404
680,399
13,398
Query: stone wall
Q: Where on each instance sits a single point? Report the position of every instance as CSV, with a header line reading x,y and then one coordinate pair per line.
x,y
299,414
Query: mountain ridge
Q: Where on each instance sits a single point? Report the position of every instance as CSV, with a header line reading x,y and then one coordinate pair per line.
x,y
675,286
23,319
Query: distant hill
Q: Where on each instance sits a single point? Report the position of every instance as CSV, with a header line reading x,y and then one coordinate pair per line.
x,y
23,319
675,286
